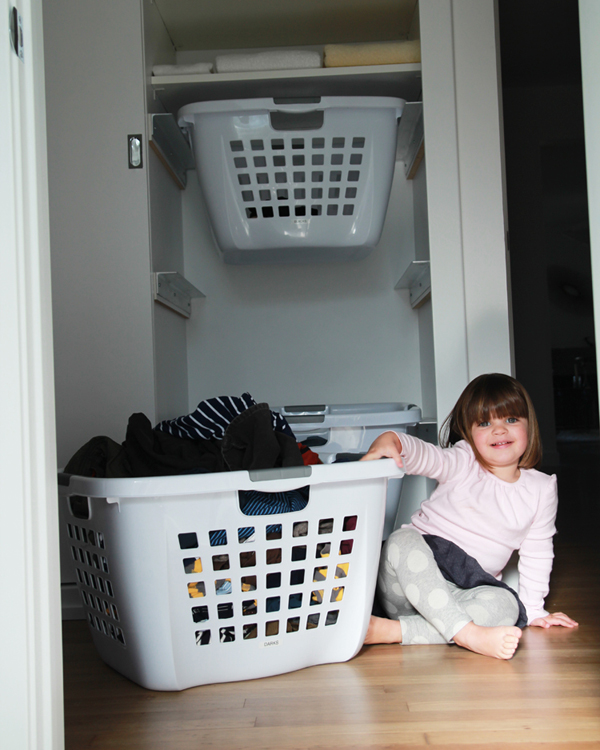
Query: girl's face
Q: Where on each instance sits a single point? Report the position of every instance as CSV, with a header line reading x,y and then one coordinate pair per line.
x,y
501,442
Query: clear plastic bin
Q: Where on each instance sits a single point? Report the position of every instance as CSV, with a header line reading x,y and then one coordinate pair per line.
x,y
182,589
351,428
295,181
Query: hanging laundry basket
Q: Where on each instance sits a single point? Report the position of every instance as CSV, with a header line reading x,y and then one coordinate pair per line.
x,y
289,181
180,588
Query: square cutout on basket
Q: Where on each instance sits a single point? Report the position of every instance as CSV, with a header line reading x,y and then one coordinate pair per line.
x,y
192,565
320,574
202,637
323,549
247,559
200,614
196,589
326,526
227,635
248,583
296,577
273,556
249,607
188,541
293,625
332,617
312,621
223,586
250,631
346,546
295,601
273,531
272,604
341,570
225,611
337,594
217,538
273,580
299,553
272,628
246,534
349,523
300,528
316,597
220,562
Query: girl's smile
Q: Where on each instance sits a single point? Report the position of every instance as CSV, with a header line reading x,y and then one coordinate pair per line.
x,y
501,442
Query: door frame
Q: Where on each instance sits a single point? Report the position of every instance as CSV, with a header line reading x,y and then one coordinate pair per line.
x,y
31,686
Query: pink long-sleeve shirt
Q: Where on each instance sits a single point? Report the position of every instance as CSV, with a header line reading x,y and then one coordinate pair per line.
x,y
486,516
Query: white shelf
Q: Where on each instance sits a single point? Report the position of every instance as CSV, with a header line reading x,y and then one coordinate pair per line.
x,y
417,279
372,80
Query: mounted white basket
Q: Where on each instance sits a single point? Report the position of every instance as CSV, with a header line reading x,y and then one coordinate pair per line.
x,y
289,181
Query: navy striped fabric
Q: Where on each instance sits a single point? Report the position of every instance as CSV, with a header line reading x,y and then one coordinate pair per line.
x,y
253,503
213,416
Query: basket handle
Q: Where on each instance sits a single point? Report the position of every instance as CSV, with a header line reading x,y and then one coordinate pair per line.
x,y
311,120
287,472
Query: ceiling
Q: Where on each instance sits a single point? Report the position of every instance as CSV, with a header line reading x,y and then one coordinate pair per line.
x,y
241,24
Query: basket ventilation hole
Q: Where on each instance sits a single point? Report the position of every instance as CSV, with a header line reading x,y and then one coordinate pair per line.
x,y
247,559
220,562
225,611
200,614
312,621
188,541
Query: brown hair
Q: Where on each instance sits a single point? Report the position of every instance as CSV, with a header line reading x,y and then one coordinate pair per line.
x,y
493,395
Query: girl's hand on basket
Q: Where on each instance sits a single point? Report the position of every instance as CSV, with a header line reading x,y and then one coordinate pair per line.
x,y
387,445
558,618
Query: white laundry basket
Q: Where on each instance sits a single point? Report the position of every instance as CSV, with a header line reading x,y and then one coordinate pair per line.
x,y
335,429
180,588
295,181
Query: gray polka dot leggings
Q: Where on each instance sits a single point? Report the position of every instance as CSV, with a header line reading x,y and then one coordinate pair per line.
x,y
430,609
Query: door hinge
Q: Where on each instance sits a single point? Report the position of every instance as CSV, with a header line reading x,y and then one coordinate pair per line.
x,y
16,33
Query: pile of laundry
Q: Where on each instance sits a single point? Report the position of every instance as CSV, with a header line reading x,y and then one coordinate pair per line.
x,y
226,433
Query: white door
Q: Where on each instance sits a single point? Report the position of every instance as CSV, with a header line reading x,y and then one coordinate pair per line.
x,y
31,713
589,24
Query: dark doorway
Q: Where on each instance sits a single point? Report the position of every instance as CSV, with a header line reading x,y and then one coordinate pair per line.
x,y
555,353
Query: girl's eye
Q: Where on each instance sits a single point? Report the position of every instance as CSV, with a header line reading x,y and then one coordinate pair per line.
x,y
512,420
483,424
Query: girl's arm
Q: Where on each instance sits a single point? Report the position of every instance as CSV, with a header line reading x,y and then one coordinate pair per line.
x,y
419,457
387,445
535,563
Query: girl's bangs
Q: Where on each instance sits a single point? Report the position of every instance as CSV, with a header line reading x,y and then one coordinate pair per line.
x,y
500,405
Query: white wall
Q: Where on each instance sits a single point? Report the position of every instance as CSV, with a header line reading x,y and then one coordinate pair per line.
x,y
327,333
102,301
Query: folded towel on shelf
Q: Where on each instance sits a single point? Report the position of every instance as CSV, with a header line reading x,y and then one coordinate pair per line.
x,y
269,60
375,53
182,70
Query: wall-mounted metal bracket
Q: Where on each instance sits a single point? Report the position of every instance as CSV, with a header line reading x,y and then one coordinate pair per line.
x,y
171,146
417,279
174,291
411,144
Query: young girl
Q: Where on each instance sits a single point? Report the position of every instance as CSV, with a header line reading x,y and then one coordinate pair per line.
x,y
490,501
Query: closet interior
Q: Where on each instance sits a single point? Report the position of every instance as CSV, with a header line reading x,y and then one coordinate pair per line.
x,y
147,315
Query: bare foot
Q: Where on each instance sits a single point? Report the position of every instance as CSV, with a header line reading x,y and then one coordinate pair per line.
x,y
382,630
500,642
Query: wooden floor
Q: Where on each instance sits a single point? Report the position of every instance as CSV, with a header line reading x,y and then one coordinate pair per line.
x,y
547,696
